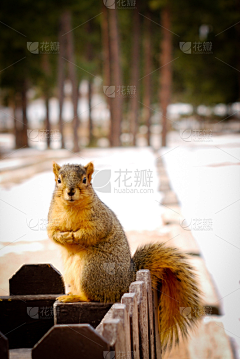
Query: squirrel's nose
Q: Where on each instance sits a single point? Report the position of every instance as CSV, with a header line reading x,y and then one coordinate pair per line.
x,y
71,192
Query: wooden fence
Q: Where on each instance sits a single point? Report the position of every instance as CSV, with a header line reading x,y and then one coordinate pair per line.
x,y
37,326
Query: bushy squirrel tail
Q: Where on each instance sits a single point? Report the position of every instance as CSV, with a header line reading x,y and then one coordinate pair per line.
x,y
179,306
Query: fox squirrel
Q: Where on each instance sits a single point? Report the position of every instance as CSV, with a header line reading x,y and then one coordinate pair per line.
x,y
93,242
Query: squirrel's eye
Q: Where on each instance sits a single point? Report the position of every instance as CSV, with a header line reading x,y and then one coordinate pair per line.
x,y
84,180
59,181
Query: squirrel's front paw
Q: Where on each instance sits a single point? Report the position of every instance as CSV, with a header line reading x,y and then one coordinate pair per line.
x,y
71,298
65,237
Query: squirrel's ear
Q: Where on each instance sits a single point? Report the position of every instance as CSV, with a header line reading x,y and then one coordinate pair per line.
x,y
56,169
89,169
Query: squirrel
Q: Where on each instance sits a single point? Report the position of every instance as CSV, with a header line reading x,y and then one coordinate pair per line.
x,y
97,259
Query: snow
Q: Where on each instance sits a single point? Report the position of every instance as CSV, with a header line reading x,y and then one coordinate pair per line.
x,y
204,174
206,178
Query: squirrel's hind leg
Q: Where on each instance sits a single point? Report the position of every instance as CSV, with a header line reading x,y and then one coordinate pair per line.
x,y
72,298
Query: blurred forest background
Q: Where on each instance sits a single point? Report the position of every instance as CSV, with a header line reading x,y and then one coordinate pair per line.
x,y
92,73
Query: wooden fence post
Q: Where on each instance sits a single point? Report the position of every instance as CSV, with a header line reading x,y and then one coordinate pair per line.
x,y
71,341
120,312
27,314
145,276
139,288
130,300
32,279
3,347
158,350
113,333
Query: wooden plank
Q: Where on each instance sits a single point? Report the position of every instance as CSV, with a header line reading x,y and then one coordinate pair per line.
x,y
159,161
162,171
139,288
107,316
82,312
210,298
24,319
169,198
172,214
20,353
130,300
74,341
34,279
165,186
3,346
211,341
208,340
164,179
120,312
113,332
181,239
158,350
145,276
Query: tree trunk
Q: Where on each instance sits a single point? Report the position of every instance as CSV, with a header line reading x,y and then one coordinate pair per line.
x,y
61,40
24,115
107,65
166,69
90,122
116,77
237,26
48,135
17,114
46,69
90,59
147,78
73,77
134,100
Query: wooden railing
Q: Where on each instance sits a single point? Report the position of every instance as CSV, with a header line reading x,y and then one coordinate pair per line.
x,y
32,318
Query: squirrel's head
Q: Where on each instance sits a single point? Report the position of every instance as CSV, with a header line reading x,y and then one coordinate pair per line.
x,y
73,182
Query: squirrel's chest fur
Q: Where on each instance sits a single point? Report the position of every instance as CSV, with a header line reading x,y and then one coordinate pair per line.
x,y
69,219
73,271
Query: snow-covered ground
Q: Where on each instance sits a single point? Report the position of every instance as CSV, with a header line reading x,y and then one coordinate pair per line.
x,y
205,174
206,177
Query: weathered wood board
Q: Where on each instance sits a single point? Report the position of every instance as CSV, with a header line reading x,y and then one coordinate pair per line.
x,y
71,341
24,319
209,341
206,284
82,312
36,279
